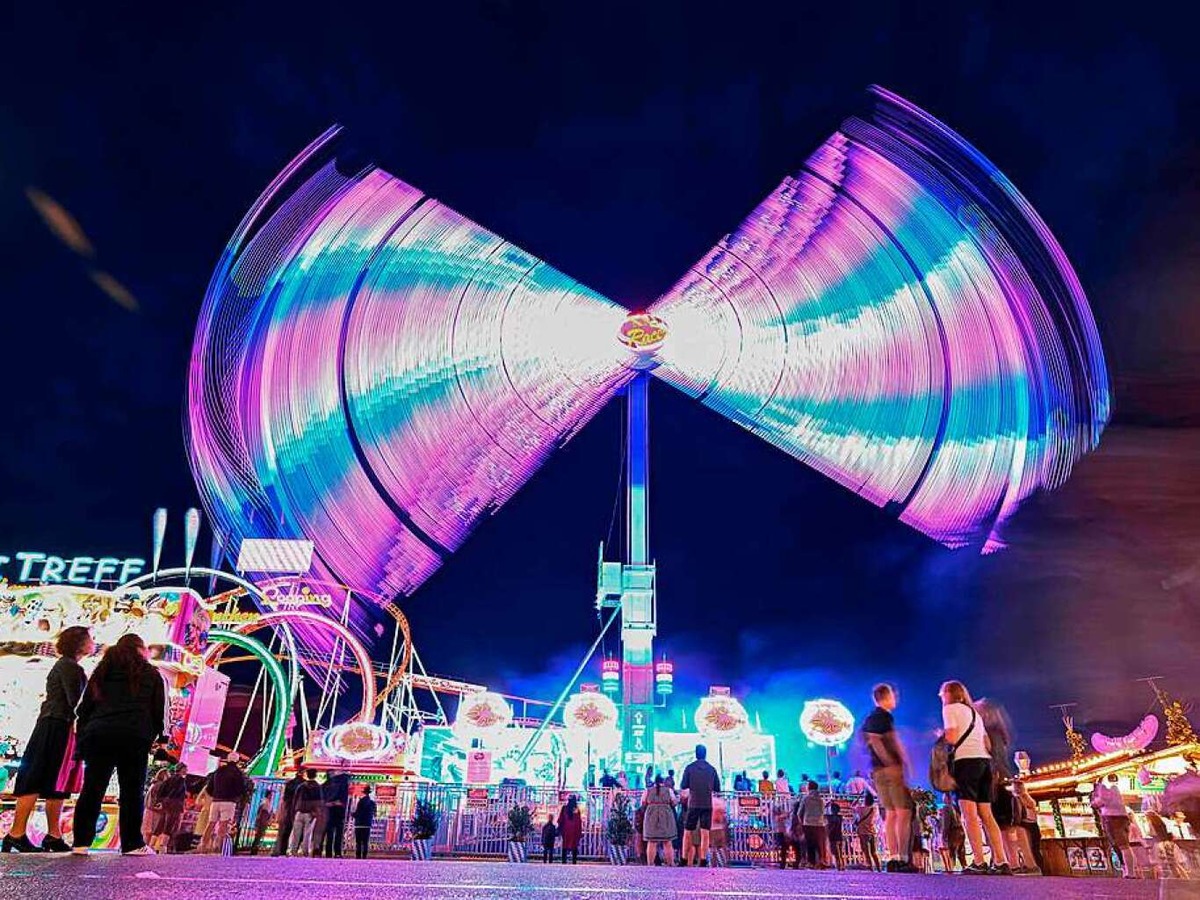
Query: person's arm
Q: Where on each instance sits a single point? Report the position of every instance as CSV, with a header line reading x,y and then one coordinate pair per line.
x,y
87,706
716,782
158,704
950,731
884,749
73,682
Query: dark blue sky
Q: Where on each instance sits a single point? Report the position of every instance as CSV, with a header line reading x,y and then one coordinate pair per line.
x,y
619,144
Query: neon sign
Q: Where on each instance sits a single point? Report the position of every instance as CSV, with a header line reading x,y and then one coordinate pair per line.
x,y
82,570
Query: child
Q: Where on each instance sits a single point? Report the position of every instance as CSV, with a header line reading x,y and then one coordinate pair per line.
x,y
549,833
833,828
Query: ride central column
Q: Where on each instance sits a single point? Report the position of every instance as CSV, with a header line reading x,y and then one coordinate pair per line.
x,y
638,606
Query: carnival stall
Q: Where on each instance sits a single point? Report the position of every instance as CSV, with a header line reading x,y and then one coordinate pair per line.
x,y
1073,840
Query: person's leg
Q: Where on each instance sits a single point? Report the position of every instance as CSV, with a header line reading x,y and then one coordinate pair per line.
x,y
97,772
704,842
782,848
994,838
284,837
564,854
53,818
668,850
339,834
25,806
899,823
974,828
297,836
131,780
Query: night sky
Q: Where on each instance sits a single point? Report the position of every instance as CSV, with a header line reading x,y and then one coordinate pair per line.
x,y
619,142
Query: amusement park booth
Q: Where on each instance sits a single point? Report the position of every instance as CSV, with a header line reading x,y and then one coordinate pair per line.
x,y
173,623
1073,840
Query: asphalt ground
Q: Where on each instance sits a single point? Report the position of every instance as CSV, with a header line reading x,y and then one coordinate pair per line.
x,y
189,877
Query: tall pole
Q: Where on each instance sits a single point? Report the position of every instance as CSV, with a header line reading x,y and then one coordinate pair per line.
x,y
638,613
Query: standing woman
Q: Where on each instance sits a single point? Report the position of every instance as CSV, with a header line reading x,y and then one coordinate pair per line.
x,y
122,712
974,776
43,757
570,826
658,823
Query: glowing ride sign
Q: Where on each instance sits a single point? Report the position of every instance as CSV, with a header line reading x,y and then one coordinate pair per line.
x,y
482,715
827,723
26,566
721,718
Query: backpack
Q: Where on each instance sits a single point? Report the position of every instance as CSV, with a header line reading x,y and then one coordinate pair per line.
x,y
941,759
796,824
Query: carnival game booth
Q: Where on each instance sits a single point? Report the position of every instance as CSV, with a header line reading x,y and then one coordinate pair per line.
x,y
173,623
1073,840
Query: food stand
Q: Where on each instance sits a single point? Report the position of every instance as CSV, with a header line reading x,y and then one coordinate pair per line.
x,y
1073,841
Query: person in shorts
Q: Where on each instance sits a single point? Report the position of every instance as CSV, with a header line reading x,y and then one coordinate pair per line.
x,y
964,729
888,765
701,782
172,796
227,786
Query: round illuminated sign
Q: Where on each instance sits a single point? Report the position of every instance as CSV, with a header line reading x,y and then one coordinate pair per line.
x,y
721,718
589,712
482,714
826,722
357,742
642,332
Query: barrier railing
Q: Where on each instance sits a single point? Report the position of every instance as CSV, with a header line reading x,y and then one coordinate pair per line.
x,y
473,821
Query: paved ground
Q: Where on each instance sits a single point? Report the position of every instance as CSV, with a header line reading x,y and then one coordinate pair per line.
x,y
108,877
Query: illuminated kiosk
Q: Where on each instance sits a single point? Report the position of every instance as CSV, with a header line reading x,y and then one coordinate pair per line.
x,y
375,373
171,620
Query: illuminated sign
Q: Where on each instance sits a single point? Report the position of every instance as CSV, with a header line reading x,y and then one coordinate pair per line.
x,y
27,567
642,332
827,723
261,555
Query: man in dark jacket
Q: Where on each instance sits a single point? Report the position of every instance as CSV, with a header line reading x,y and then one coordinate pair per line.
x,y
337,797
309,802
287,812
227,786
364,817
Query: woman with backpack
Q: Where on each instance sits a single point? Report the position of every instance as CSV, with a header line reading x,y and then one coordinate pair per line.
x,y
974,777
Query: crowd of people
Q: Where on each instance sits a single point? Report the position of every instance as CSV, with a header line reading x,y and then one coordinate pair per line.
x,y
985,821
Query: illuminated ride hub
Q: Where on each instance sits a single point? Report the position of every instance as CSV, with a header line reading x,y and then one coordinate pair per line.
x,y
377,374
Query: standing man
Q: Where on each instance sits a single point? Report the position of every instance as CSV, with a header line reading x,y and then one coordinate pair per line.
x,y
700,781
888,765
337,796
308,803
857,785
364,818
287,813
227,786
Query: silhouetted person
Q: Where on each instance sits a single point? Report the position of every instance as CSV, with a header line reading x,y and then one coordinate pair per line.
x,y
122,711
364,818
47,747
549,836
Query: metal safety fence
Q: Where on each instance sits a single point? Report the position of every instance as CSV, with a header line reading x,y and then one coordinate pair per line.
x,y
473,821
